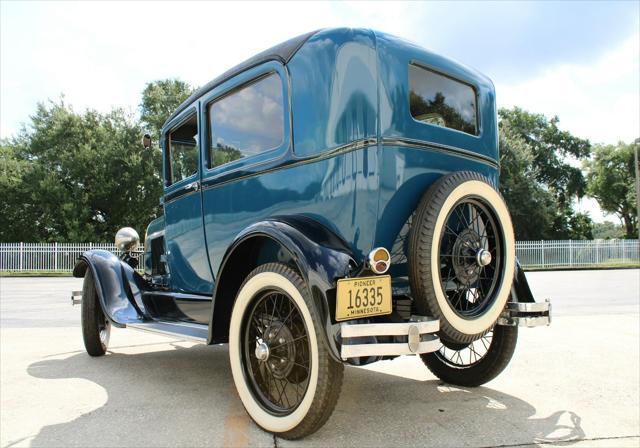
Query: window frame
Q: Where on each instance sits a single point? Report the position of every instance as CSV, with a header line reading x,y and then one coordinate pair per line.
x,y
473,87
228,87
185,116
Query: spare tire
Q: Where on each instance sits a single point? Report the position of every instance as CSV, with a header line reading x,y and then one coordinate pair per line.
x,y
461,255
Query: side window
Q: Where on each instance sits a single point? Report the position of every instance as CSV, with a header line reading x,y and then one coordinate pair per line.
x,y
247,122
182,144
442,101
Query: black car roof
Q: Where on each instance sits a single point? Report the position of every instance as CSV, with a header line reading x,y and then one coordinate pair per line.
x,y
282,52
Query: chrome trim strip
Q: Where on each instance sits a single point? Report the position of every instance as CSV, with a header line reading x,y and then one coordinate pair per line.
x,y
399,329
524,321
178,296
397,349
439,147
139,327
529,307
185,324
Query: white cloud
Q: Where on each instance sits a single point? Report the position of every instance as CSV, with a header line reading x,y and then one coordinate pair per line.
x,y
598,101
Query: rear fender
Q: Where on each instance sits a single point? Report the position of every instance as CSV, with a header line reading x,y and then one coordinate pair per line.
x,y
320,256
118,285
520,291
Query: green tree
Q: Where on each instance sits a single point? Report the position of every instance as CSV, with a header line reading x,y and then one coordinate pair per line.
x,y
15,207
77,177
159,100
607,230
611,177
531,206
536,180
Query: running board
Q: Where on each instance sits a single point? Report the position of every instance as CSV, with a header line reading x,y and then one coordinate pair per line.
x,y
185,330
526,314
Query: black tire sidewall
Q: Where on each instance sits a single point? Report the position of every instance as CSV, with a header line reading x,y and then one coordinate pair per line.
x,y
500,352
92,317
423,257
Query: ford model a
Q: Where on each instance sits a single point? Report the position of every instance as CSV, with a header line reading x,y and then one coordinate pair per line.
x,y
331,200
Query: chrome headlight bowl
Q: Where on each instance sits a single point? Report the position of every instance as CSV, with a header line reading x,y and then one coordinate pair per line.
x,y
127,239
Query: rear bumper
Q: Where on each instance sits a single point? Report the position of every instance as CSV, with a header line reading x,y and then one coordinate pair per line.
x,y
526,314
420,333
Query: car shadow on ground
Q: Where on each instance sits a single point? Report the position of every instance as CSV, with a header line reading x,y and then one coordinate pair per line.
x,y
185,396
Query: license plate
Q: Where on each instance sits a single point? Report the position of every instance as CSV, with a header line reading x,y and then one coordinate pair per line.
x,y
363,297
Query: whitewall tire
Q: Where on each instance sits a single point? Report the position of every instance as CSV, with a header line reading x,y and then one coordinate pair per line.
x,y
462,255
284,375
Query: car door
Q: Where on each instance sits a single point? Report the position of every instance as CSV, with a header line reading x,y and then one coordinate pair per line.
x,y
187,257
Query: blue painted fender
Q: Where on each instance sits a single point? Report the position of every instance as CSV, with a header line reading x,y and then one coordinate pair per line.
x,y
118,285
320,255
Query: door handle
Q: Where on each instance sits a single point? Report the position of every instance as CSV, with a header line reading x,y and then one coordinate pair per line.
x,y
195,186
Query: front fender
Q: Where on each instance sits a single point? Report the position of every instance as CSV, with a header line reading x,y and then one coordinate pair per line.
x,y
320,256
118,285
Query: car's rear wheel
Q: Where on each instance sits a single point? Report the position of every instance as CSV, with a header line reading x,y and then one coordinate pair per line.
x,y
96,327
280,362
476,363
462,255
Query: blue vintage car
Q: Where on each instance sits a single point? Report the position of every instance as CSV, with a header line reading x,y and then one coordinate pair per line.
x,y
331,200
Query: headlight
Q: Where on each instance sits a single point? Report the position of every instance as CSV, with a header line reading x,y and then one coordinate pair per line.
x,y
127,239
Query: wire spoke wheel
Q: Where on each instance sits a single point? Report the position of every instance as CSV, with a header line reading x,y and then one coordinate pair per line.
x,y
463,357
470,249
276,352
104,329
476,363
280,362
461,256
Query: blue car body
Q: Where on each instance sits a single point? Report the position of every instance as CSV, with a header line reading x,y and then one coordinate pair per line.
x,y
346,178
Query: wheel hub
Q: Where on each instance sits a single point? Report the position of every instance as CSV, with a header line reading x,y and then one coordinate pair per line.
x,y
483,257
467,253
280,350
262,351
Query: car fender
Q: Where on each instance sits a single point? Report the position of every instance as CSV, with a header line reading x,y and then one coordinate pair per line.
x,y
320,255
118,285
520,291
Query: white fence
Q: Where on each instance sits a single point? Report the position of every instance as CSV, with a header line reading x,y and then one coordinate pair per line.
x,y
47,257
61,257
576,254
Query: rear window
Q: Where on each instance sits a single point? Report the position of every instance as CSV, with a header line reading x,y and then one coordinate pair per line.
x,y
439,100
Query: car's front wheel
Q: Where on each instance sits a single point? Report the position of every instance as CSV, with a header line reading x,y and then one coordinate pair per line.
x,y
280,362
96,327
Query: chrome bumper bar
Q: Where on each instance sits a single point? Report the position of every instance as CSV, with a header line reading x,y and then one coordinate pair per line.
x,y
420,332
76,297
526,314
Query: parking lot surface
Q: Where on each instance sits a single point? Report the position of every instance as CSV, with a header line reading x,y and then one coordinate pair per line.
x,y
574,383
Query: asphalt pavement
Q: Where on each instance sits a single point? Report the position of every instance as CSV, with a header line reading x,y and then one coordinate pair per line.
x,y
576,382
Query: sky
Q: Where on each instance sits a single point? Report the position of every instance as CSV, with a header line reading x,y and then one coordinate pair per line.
x,y
577,60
